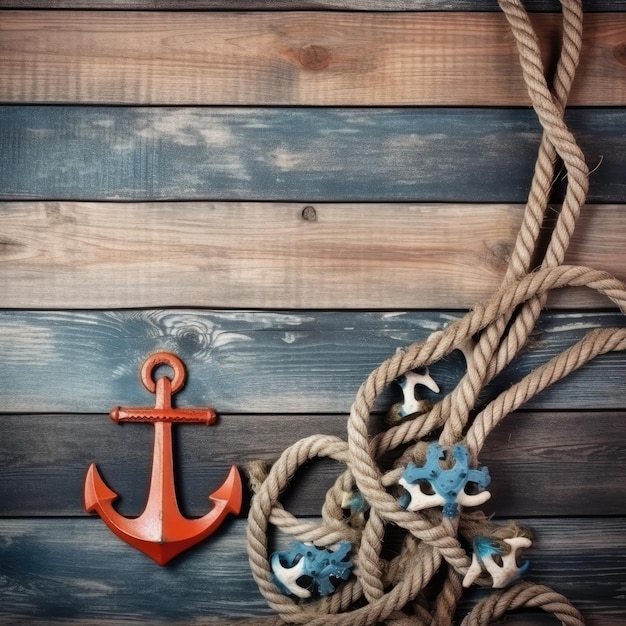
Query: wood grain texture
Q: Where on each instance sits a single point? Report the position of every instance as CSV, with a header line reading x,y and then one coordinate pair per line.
x,y
77,571
98,239
260,255
542,464
262,362
293,5
299,154
298,58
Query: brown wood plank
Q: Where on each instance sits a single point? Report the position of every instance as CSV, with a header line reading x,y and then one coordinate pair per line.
x,y
317,58
541,463
294,5
274,255
75,571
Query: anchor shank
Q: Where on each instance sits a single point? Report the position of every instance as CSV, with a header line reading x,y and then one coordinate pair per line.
x,y
162,505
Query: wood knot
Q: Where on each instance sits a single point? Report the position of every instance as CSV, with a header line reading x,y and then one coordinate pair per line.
x,y
498,254
309,214
619,53
314,57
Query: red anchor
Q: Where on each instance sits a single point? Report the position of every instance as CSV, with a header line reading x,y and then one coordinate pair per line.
x,y
161,531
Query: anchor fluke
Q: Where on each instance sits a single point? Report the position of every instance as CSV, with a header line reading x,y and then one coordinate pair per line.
x,y
230,494
96,490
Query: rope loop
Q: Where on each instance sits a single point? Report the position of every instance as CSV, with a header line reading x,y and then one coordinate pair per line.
x,y
417,484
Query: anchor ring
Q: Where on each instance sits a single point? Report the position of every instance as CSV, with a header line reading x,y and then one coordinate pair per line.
x,y
162,358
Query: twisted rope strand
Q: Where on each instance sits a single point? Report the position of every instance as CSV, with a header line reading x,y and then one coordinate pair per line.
x,y
523,594
571,208
484,367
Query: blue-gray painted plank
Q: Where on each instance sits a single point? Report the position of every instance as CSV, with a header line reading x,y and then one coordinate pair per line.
x,y
77,571
542,464
261,362
302,154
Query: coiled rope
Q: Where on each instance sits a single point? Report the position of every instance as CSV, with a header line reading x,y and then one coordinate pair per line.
x,y
393,589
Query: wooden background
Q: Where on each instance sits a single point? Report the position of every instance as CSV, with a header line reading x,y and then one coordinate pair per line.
x,y
283,193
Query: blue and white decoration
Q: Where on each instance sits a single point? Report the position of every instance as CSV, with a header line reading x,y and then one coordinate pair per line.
x,y
307,569
492,557
447,485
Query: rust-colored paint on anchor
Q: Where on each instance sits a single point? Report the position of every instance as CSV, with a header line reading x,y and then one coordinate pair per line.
x,y
161,531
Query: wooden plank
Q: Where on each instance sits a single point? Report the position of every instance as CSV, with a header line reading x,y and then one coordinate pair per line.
x,y
254,255
260,255
299,154
299,58
542,464
77,571
261,362
293,5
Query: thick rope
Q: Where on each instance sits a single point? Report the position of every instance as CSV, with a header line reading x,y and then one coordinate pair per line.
x,y
484,366
422,582
523,595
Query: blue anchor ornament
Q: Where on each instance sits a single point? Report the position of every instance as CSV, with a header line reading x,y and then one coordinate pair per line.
x,y
448,484
505,570
305,568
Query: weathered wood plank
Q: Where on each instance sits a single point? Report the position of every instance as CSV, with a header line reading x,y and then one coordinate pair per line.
x,y
542,464
259,255
300,58
294,5
77,571
299,154
261,362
